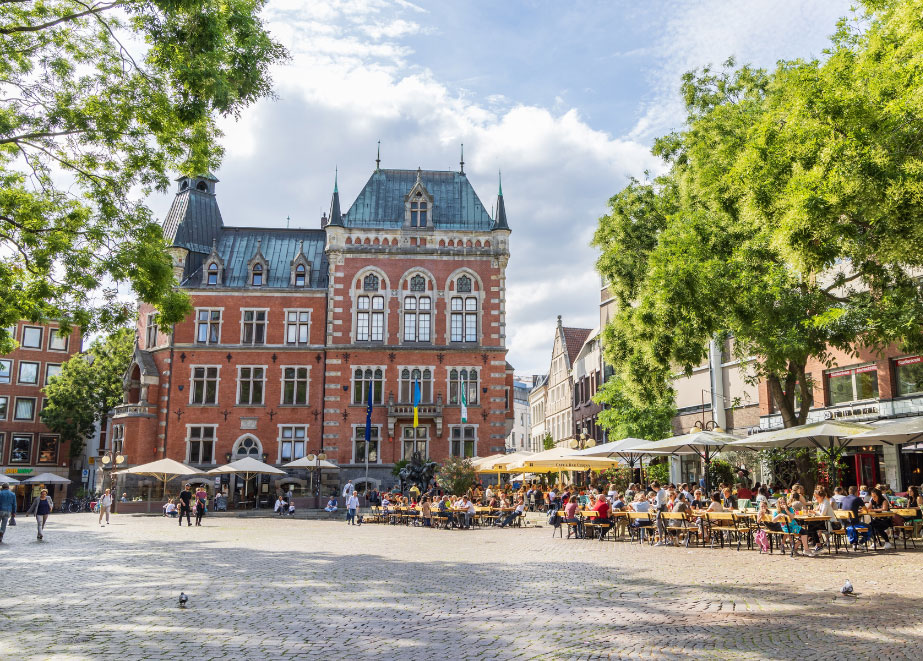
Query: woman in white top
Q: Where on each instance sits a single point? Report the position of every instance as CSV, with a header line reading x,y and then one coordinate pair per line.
x,y
105,506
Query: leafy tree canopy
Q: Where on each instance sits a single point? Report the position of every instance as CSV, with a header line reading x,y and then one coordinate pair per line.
x,y
101,103
789,218
88,388
456,475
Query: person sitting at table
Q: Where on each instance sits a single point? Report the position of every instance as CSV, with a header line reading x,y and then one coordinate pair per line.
x,y
630,492
785,515
332,504
864,492
823,506
570,516
680,506
762,495
715,505
617,503
728,501
743,492
880,524
602,517
509,518
640,504
698,501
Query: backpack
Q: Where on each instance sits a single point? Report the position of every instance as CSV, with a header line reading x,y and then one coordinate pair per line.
x,y
553,517
853,534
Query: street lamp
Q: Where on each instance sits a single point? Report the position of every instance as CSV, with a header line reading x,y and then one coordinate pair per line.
x,y
316,458
112,460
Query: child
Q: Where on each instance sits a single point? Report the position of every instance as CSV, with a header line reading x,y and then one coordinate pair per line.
x,y
291,507
170,509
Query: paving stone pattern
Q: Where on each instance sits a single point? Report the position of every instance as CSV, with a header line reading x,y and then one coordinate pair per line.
x,y
283,589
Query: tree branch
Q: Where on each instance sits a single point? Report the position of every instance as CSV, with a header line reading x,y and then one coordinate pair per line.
x,y
39,134
63,19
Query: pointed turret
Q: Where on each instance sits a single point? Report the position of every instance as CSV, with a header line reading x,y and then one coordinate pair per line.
x,y
500,219
336,216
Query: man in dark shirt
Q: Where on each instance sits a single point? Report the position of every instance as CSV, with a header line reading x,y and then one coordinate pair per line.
x,y
852,502
185,505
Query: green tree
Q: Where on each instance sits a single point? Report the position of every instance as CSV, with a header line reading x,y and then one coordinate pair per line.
x,y
788,219
548,442
102,103
456,475
623,417
88,388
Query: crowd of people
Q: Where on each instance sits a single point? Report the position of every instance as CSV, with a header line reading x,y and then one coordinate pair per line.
x,y
775,512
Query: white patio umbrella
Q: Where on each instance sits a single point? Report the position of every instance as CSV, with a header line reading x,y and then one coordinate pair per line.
x,y
703,443
248,467
828,436
629,449
304,463
47,478
162,469
6,479
905,430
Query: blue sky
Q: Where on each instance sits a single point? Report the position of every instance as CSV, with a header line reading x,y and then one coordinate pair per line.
x,y
565,98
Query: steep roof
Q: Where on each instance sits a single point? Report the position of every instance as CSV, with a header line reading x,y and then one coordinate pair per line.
x,y
237,246
574,339
456,205
193,220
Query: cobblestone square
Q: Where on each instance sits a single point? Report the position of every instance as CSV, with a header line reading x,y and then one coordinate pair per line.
x,y
279,589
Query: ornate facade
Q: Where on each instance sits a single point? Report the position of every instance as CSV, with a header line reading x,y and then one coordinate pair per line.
x,y
293,328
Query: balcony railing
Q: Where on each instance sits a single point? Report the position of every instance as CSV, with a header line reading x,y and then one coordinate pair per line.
x,y
133,410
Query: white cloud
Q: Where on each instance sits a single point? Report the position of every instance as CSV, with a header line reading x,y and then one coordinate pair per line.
x,y
354,79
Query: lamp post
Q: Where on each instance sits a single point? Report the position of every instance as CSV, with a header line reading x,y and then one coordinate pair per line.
x,y
112,460
317,458
702,425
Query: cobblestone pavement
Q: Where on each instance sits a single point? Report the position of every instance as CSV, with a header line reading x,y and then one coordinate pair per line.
x,y
280,589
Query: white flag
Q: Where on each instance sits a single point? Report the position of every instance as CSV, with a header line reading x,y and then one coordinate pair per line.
x,y
464,403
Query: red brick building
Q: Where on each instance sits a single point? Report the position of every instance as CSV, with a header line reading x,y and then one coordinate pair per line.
x,y
291,327
27,447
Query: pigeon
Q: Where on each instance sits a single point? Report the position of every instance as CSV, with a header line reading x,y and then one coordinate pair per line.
x,y
183,598
847,587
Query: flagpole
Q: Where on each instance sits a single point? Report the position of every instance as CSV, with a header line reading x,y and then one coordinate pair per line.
x,y
368,435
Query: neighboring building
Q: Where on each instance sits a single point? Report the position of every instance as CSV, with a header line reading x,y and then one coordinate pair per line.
x,y
292,327
538,400
586,375
521,436
556,395
28,447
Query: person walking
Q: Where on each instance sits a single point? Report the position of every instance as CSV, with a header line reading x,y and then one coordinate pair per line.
x,y
185,506
352,504
41,507
7,507
348,489
201,498
105,506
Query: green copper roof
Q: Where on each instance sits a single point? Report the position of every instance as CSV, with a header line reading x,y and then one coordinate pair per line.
x,y
380,204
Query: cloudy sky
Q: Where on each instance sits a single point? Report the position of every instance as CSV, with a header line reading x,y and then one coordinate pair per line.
x,y
564,98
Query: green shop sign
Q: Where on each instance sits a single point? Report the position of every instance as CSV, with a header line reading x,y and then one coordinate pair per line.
x,y
18,471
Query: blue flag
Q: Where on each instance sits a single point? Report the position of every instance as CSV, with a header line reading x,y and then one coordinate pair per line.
x,y
368,418
417,396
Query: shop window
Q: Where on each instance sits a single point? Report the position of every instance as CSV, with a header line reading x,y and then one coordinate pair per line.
x,y
48,450
909,375
852,385
21,448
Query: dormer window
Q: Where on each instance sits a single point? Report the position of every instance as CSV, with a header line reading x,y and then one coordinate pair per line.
x,y
418,208
299,275
212,277
256,276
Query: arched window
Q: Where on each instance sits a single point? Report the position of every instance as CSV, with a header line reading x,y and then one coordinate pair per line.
x,y
463,285
463,380
410,376
417,317
370,282
300,273
256,277
418,283
464,321
212,274
248,447
370,318
363,379
202,186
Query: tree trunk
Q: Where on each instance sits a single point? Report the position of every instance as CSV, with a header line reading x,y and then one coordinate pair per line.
x,y
784,394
